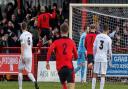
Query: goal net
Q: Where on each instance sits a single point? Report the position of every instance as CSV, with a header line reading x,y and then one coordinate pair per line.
x,y
116,16
82,15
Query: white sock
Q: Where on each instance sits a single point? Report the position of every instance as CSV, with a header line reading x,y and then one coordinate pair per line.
x,y
102,81
93,83
20,78
31,77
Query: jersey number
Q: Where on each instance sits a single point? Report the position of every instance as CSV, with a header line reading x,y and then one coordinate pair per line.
x,y
28,41
64,48
44,18
101,44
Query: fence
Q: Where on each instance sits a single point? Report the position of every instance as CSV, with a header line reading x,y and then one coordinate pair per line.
x,y
9,59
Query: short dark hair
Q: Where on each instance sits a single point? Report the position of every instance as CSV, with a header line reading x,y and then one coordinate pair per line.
x,y
24,26
105,27
92,26
64,28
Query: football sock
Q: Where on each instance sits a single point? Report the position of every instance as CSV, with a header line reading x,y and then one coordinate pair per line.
x,y
71,85
77,69
93,83
82,72
36,85
20,78
102,81
31,77
64,86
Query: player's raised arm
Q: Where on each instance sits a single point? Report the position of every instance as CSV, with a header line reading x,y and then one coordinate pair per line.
x,y
110,49
50,50
39,22
53,15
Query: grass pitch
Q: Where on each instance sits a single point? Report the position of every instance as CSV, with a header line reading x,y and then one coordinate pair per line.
x,y
29,85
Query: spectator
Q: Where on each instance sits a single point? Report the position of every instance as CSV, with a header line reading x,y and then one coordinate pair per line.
x,y
66,8
54,21
34,30
124,39
34,11
15,24
116,37
60,17
55,34
9,10
20,16
12,37
3,37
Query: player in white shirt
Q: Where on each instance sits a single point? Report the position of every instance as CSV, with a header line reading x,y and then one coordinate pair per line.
x,y
26,56
101,49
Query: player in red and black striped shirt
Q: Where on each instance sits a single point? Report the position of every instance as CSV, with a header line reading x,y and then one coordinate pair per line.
x,y
89,40
44,26
64,49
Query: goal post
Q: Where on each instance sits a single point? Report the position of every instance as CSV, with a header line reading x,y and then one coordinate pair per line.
x,y
116,16
99,13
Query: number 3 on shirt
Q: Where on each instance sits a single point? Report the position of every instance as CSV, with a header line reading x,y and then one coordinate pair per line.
x,y
64,48
101,44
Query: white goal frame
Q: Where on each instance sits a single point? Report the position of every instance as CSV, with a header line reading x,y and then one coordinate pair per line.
x,y
88,5
98,5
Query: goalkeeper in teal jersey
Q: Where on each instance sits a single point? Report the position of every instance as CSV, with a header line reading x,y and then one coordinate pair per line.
x,y
81,57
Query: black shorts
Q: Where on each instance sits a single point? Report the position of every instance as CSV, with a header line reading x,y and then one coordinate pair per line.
x,y
66,74
90,58
45,32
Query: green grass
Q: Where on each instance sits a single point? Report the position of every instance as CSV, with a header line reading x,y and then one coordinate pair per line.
x,y
29,85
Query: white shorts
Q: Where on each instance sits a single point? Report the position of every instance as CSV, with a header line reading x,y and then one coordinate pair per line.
x,y
27,64
100,67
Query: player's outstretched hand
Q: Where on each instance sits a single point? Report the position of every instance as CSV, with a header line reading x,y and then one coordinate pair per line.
x,y
109,60
47,66
110,63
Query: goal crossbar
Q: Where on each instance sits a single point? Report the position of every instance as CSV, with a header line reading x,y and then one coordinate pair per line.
x,y
89,5
101,5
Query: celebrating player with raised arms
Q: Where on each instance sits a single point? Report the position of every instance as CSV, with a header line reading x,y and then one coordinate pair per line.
x,y
43,23
102,49
26,56
64,49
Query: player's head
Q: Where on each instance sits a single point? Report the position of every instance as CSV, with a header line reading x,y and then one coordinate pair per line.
x,y
105,28
92,28
64,29
24,26
42,9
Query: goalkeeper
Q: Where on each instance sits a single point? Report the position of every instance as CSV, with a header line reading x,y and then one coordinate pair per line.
x,y
81,56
